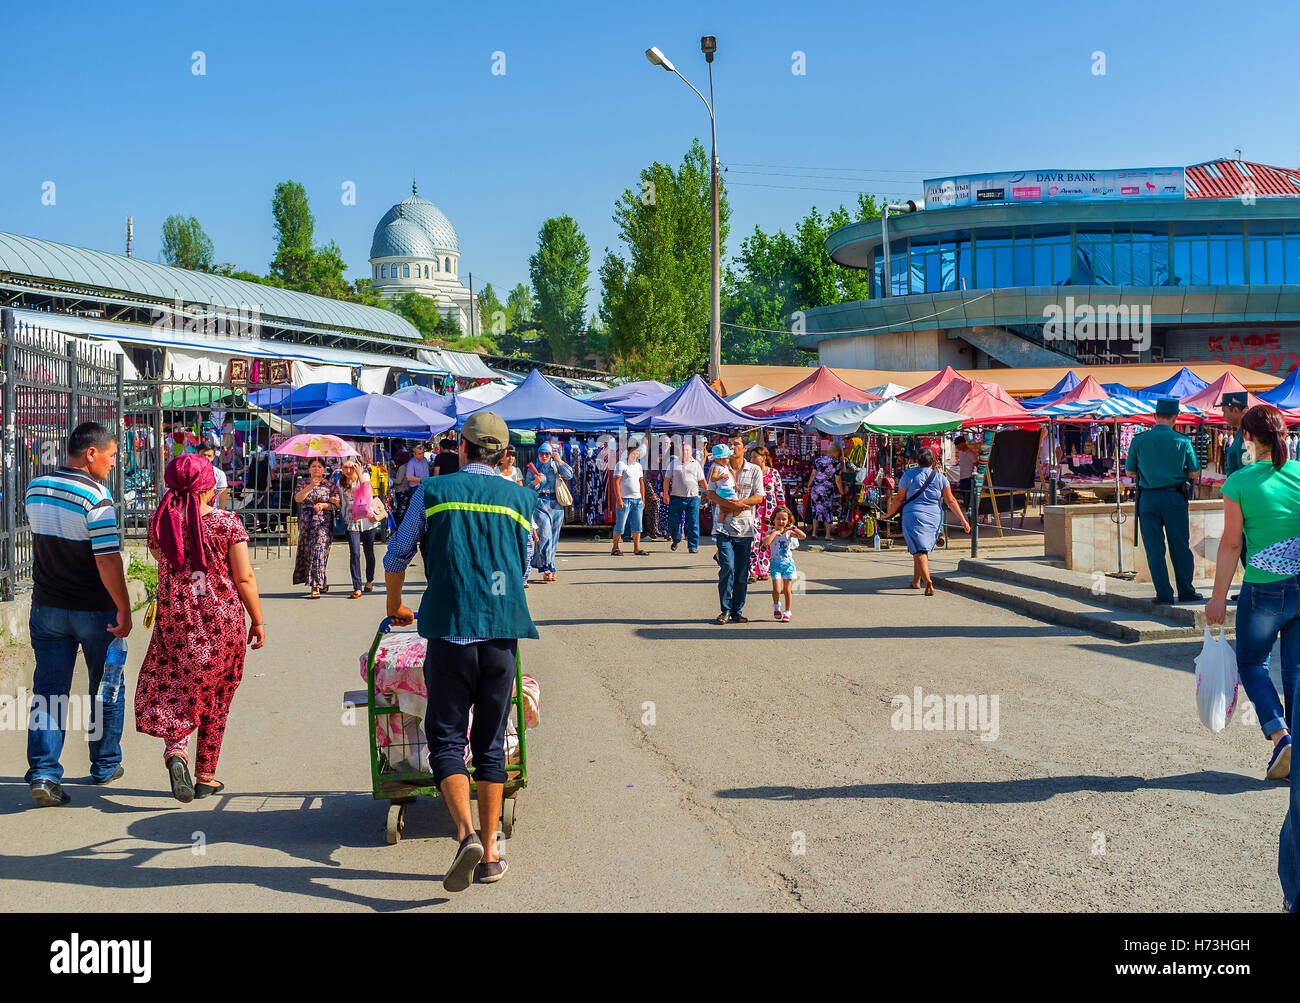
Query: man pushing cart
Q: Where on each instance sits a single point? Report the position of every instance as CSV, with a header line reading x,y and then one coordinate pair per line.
x,y
477,530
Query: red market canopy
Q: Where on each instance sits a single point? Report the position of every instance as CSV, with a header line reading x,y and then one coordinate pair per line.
x,y
822,386
982,403
926,392
1088,389
1208,399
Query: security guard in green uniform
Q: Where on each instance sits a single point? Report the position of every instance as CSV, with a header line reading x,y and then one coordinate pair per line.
x,y
1163,461
1233,406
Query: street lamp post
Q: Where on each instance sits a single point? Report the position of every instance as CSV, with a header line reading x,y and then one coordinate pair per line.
x,y
708,45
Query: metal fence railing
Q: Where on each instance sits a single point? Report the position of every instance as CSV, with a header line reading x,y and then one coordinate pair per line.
x,y
51,383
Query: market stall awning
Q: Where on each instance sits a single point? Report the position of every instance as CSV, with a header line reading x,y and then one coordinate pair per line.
x,y
924,393
692,405
1067,383
295,401
375,414
1086,389
625,390
186,398
466,365
888,417
983,404
538,403
1286,394
1208,398
887,389
819,388
1182,384
434,401
755,394
1138,408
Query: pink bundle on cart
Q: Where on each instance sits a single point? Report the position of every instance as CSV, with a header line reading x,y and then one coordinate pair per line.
x,y
399,682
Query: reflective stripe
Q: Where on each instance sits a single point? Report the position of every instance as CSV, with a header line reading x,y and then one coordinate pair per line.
x,y
475,507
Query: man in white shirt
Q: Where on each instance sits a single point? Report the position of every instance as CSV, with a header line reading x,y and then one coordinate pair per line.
x,y
222,496
735,522
683,482
629,497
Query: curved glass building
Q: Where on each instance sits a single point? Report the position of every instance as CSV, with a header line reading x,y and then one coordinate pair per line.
x,y
1051,268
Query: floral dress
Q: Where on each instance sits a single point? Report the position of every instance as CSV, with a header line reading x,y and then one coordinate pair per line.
x,y
760,562
196,652
825,502
315,532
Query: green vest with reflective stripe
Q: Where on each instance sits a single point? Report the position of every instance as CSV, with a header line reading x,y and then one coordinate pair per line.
x,y
476,538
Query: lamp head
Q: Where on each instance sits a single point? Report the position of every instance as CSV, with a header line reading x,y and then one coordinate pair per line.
x,y
657,58
708,45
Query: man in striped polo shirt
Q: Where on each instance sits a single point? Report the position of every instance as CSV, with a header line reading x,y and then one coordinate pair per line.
x,y
79,600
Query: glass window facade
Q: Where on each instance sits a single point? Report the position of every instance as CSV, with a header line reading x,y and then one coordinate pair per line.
x,y
1182,253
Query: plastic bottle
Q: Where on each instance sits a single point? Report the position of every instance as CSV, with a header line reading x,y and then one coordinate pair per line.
x,y
114,662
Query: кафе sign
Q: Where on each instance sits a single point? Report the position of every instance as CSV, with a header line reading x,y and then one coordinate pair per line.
x,y
1266,350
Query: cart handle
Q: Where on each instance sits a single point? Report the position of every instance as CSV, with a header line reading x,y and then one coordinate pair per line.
x,y
386,625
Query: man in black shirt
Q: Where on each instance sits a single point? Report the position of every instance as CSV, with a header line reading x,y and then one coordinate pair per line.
x,y
448,458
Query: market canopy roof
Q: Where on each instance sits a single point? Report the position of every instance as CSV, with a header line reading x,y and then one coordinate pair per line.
x,y
1087,389
626,390
538,403
294,401
692,405
1026,382
1067,383
1286,394
887,389
925,392
819,388
466,365
185,398
890,416
750,395
1111,407
982,404
375,414
1182,384
434,401
1208,398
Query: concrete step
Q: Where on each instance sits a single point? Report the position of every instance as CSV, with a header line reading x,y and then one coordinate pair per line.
x,y
1069,610
1116,593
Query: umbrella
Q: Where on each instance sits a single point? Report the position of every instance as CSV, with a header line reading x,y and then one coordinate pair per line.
x,y
303,400
434,401
310,444
889,417
375,414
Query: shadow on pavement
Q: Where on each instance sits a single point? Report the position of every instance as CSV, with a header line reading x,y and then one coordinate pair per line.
x,y
308,825
1009,791
758,629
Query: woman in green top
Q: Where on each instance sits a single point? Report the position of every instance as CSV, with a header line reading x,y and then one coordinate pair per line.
x,y
1262,499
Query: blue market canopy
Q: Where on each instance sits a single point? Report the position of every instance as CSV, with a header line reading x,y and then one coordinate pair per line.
x,y
295,401
1182,384
538,403
693,405
1067,383
1120,390
625,390
423,396
375,414
1286,394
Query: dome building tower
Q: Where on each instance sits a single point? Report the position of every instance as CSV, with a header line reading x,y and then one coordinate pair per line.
x,y
415,249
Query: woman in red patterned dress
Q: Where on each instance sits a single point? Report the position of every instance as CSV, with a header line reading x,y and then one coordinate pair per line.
x,y
196,654
760,563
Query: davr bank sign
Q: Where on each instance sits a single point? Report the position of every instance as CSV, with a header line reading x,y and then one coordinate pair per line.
x,y
1055,186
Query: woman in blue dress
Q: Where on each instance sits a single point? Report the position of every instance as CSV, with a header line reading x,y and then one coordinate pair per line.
x,y
922,493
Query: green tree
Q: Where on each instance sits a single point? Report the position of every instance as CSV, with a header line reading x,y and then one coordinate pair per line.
x,y
421,311
655,302
185,245
560,270
520,309
492,312
295,229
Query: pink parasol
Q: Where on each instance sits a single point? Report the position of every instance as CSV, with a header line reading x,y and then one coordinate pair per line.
x,y
315,444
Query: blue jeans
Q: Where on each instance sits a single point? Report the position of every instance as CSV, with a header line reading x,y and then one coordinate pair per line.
x,y
627,519
1265,610
550,520
733,571
56,636
1288,850
690,507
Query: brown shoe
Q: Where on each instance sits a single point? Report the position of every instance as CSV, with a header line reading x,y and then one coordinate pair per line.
x,y
489,871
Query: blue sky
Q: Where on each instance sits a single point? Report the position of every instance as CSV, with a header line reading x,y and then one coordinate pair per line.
x,y
101,100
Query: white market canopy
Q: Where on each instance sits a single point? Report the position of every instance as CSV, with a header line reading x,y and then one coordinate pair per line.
x,y
888,417
750,395
888,390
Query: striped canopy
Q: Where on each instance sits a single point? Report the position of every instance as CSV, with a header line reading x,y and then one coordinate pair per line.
x,y
1111,407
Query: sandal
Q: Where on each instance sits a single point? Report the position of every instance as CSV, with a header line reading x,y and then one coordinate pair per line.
x,y
368,587
721,618
356,594
640,553
314,594
204,789
178,772
616,553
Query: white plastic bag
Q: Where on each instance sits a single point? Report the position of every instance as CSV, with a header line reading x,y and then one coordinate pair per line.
x,y
1216,681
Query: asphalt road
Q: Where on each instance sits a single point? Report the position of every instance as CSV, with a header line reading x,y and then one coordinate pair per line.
x,y
681,765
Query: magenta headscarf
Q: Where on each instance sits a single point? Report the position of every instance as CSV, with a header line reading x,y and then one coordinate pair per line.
x,y
176,524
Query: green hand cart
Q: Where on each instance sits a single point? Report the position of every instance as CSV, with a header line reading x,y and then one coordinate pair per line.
x,y
400,789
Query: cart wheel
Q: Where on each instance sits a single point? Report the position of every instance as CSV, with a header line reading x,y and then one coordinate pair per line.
x,y
507,816
396,822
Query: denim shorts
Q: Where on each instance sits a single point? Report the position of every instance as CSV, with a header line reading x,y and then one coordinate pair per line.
x,y
782,570
628,518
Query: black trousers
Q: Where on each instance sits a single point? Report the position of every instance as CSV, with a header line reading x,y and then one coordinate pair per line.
x,y
459,676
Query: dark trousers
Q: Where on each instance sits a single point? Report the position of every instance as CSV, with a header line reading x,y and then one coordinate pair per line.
x,y
361,540
1162,513
733,571
460,676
